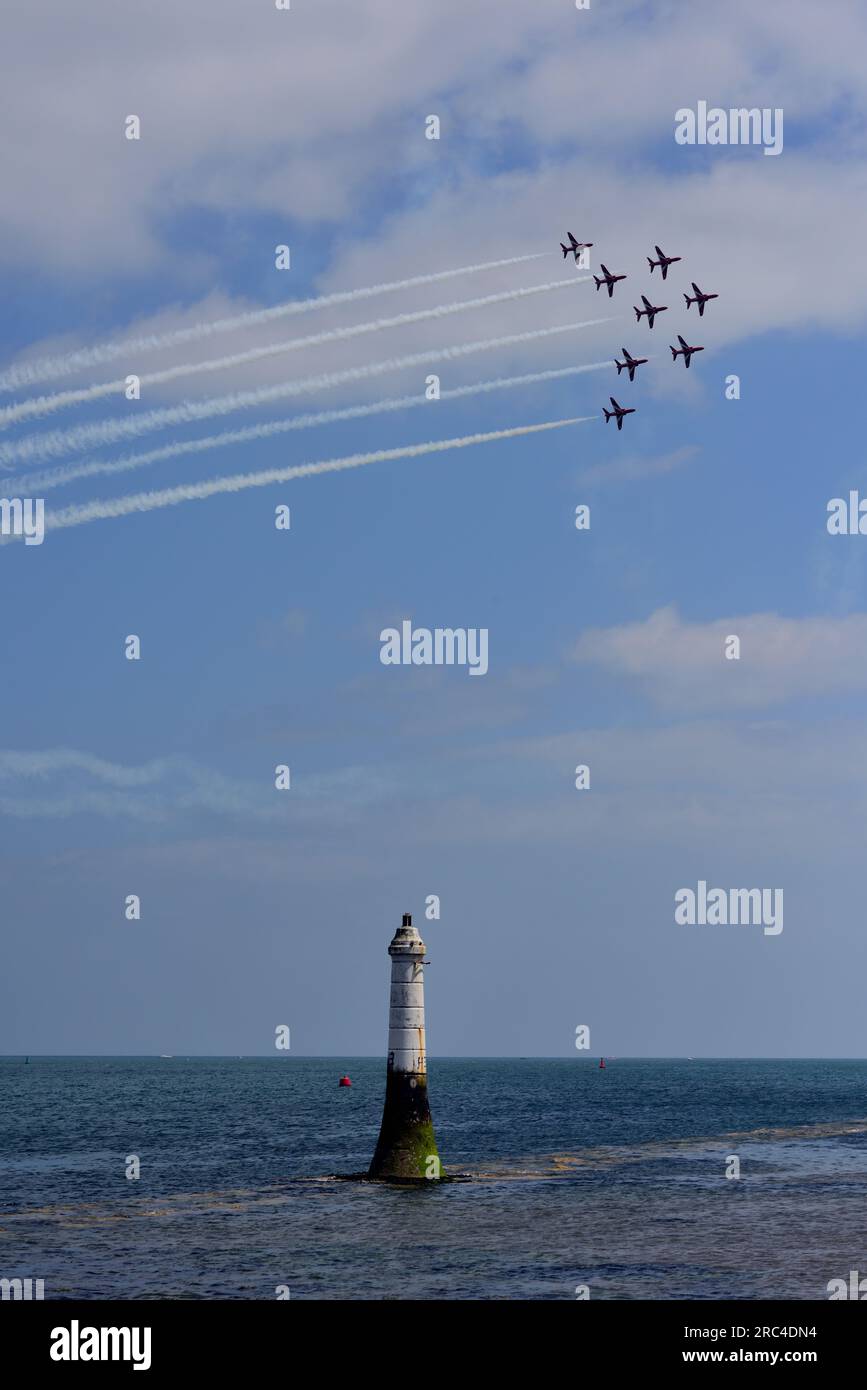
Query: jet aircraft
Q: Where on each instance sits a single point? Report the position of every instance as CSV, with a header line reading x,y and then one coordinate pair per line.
x,y
684,351
575,246
664,261
630,364
699,299
606,278
617,413
649,311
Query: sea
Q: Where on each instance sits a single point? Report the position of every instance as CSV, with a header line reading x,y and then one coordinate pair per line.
x,y
671,1178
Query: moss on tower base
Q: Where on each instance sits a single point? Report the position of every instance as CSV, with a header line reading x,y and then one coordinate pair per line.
x,y
407,1147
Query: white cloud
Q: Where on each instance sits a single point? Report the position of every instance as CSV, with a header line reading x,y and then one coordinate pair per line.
x,y
632,467
331,123
683,664
62,782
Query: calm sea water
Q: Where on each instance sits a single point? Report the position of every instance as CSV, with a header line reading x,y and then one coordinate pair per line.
x,y
614,1179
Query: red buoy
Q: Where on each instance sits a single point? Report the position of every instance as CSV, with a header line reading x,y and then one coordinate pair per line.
x,y
602,1063
344,1081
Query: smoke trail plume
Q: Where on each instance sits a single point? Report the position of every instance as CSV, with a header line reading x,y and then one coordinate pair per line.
x,y
55,443
46,405
59,477
195,492
48,368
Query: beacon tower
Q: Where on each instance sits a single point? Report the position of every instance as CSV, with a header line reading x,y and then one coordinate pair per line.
x,y
406,1147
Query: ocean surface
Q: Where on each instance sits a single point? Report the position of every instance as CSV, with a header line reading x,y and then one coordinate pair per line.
x,y
613,1179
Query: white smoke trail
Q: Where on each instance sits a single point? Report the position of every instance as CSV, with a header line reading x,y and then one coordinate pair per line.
x,y
54,443
37,483
47,368
195,492
46,405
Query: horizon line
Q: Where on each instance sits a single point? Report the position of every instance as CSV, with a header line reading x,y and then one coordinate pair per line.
x,y
444,1057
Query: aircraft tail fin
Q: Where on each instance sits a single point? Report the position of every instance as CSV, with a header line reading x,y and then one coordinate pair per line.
x,y
598,282
688,300
565,250
673,353
651,264
619,366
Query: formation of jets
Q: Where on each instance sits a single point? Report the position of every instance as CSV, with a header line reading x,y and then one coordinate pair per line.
x,y
647,311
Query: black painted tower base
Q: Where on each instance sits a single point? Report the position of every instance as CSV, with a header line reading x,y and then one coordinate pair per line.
x,y
407,1147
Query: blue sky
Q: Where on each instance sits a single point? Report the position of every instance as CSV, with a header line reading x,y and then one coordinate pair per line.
x,y
261,647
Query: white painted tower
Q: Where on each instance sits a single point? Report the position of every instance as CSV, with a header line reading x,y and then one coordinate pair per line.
x,y
406,1049
406,1147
